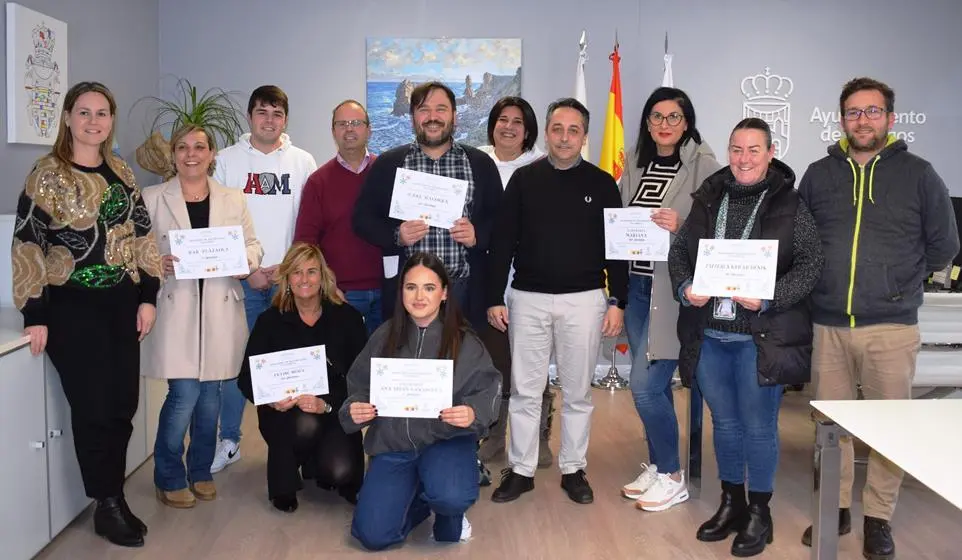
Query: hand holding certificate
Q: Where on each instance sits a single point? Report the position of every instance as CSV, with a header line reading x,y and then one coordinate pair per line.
x,y
407,388
213,252
286,374
435,199
631,235
736,267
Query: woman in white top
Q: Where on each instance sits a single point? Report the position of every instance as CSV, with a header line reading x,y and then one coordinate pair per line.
x,y
512,132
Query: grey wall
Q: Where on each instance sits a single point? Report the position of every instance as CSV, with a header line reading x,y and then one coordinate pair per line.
x,y
316,52
111,41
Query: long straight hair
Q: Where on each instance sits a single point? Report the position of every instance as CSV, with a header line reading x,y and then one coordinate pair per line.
x,y
453,324
63,146
647,149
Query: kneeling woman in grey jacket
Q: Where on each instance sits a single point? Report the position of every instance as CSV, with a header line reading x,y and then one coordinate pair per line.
x,y
422,465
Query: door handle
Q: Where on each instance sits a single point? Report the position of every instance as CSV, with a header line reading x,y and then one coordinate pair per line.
x,y
55,433
37,445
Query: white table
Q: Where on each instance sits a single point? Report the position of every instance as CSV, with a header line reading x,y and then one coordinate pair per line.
x,y
910,433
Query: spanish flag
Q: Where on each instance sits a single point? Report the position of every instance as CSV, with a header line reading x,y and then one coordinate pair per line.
x,y
613,141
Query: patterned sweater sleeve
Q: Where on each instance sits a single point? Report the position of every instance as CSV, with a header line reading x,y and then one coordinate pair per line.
x,y
33,255
807,260
146,255
681,269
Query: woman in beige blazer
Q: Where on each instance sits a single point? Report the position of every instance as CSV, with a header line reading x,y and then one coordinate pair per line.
x,y
201,328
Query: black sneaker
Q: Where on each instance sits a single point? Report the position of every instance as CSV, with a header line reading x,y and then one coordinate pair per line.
x,y
512,486
576,485
878,544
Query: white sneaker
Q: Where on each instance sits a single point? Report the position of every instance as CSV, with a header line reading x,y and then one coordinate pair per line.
x,y
663,494
634,490
465,530
227,452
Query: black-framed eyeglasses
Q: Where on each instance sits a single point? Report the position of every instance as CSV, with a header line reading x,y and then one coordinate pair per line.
x,y
674,119
353,122
872,112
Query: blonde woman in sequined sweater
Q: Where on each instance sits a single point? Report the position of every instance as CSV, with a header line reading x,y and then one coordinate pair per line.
x,y
85,276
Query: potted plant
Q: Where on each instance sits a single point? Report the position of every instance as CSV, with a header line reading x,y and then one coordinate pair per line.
x,y
214,109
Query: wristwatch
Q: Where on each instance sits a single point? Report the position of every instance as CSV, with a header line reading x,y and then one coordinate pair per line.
x,y
613,301
327,408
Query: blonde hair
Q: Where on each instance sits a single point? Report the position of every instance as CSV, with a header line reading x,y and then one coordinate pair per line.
x,y
63,146
179,135
297,255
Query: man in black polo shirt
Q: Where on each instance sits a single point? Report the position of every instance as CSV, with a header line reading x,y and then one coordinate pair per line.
x,y
551,224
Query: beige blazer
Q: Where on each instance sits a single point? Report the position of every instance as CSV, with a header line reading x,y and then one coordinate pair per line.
x,y
197,337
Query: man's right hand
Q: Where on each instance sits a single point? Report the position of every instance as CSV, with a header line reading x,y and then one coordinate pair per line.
x,y
696,300
412,231
498,317
259,279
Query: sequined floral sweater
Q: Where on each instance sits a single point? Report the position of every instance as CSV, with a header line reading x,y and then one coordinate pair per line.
x,y
82,227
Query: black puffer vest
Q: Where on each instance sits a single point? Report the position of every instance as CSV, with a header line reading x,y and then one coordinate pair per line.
x,y
783,337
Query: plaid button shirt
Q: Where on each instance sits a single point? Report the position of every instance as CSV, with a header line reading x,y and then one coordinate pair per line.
x,y
455,164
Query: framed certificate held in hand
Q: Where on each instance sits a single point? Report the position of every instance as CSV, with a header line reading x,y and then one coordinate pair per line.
x,y
289,373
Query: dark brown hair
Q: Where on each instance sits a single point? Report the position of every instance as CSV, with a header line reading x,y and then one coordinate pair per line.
x,y
527,115
453,325
421,93
862,84
268,95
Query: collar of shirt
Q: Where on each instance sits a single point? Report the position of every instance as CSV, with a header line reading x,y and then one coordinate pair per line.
x,y
364,161
572,166
456,150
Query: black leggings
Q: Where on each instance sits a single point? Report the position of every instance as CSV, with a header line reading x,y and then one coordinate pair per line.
x,y
314,442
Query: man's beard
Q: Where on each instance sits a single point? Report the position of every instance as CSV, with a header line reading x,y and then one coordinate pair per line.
x,y
876,143
446,134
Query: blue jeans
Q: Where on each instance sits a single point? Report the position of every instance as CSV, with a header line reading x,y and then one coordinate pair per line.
x,y
744,414
368,303
401,489
651,382
232,401
189,404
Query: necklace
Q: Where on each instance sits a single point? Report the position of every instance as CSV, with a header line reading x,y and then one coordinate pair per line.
x,y
196,197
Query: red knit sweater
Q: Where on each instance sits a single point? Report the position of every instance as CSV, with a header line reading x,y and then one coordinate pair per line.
x,y
325,219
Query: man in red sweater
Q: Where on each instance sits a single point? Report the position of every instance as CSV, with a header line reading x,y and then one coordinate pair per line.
x,y
327,205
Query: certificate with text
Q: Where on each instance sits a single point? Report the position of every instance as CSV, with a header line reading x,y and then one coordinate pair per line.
x,y
736,267
406,388
281,375
436,199
213,252
630,235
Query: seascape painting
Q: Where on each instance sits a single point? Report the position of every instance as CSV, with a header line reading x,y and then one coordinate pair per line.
x,y
479,71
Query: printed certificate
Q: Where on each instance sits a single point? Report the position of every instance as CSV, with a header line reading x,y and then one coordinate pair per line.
x,y
630,235
736,267
436,199
213,252
281,375
406,388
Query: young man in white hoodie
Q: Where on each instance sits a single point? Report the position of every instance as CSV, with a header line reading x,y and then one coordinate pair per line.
x,y
272,173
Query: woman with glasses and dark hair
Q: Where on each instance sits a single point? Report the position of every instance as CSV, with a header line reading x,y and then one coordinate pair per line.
x,y
513,134
741,351
85,276
422,465
669,163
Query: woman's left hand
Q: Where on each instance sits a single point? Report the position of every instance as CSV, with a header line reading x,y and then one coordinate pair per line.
x,y
146,314
311,404
750,304
250,267
666,218
460,416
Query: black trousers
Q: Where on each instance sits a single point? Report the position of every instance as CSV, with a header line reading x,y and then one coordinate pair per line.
x,y
499,347
92,341
314,443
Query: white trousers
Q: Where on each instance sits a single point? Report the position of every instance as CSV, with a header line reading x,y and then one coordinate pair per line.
x,y
570,324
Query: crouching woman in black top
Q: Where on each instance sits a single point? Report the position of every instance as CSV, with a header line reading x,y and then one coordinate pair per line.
x,y
422,465
303,432
741,351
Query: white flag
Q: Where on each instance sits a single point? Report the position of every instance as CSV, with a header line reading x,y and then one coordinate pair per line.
x,y
668,80
580,91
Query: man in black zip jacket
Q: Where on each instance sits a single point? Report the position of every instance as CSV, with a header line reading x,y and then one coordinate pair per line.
x,y
551,224
886,221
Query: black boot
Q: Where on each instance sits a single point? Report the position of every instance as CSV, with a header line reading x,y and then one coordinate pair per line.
x,y
285,502
758,530
878,543
844,526
110,523
132,519
729,516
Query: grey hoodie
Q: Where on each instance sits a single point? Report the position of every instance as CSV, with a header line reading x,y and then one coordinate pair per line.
x,y
884,227
476,383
